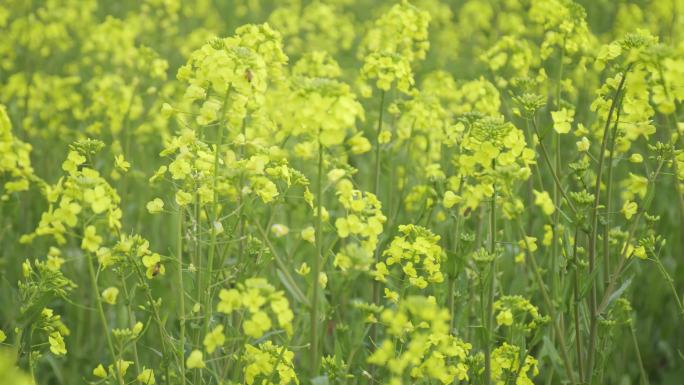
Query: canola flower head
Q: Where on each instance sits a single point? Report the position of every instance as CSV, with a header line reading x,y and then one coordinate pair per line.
x,y
15,161
214,339
363,221
100,371
420,326
195,360
269,364
317,64
155,206
110,294
506,361
402,30
517,311
321,108
388,70
314,26
544,201
81,189
146,377
264,306
417,255
228,77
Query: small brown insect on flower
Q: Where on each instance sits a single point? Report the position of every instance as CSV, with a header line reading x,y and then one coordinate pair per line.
x,y
157,269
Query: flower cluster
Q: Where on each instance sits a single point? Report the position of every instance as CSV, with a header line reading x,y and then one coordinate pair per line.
x,y
493,157
269,364
418,255
319,109
418,344
314,26
79,197
397,40
43,282
15,161
363,221
229,76
260,303
506,364
517,311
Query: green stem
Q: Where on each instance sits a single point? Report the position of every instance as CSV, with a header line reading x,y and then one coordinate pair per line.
x,y
609,193
181,297
670,281
576,305
206,285
212,242
557,171
549,306
488,317
642,371
623,254
317,265
593,324
163,334
376,180
376,191
547,159
131,319
452,273
103,319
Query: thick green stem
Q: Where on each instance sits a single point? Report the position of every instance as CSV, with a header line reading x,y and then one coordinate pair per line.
x,y
103,319
557,171
609,193
670,281
317,265
642,370
623,254
452,273
547,159
376,191
593,324
549,306
181,297
163,334
488,316
214,230
131,319
206,284
376,180
576,305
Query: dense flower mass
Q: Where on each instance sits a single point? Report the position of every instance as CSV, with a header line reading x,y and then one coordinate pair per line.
x,y
330,192
419,344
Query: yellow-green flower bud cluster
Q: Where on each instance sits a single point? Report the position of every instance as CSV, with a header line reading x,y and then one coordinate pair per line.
x,y
228,77
314,26
269,364
518,312
260,304
319,109
416,254
418,344
506,363
363,221
397,40
82,192
494,155
15,159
